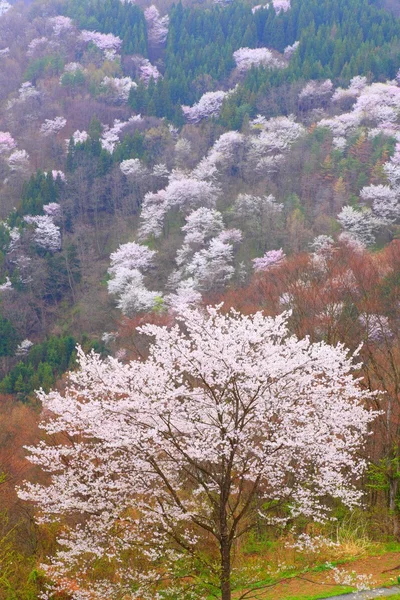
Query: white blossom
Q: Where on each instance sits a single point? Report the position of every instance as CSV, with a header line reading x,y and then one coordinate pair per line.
x,y
158,434
157,26
271,259
60,24
4,7
47,235
7,142
19,160
246,58
119,87
23,348
360,224
53,126
209,105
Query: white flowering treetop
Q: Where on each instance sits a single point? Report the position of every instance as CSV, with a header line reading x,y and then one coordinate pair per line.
x,y
384,201
128,264
61,24
118,88
360,224
47,235
4,7
148,71
53,126
19,161
157,26
7,142
271,259
315,93
107,42
246,58
79,136
209,105
184,193
163,458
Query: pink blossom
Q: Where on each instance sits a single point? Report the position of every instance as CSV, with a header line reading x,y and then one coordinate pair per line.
x,y
223,396
53,126
246,58
157,26
7,142
271,259
148,71
60,24
209,105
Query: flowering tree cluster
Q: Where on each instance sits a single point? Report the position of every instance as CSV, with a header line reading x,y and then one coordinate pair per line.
x,y
209,105
109,43
7,142
4,7
275,137
227,152
279,5
60,24
37,43
148,71
53,126
315,93
378,103
118,88
269,260
360,224
157,26
128,265
133,167
25,92
162,460
181,192
290,50
246,58
110,135
47,234
206,254
19,161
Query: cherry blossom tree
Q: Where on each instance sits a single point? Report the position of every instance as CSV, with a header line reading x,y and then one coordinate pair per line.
x,y
275,137
61,24
4,7
118,88
183,193
315,93
246,58
107,42
19,161
269,260
212,267
148,71
157,26
7,142
384,201
128,265
53,126
47,235
185,295
166,462
360,224
209,105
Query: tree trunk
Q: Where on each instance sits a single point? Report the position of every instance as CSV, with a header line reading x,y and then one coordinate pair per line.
x,y
225,568
393,491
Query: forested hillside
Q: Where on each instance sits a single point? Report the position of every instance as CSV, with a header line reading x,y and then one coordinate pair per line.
x,y
158,158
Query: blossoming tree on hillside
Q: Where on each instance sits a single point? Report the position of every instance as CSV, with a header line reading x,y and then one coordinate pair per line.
x,y
167,461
